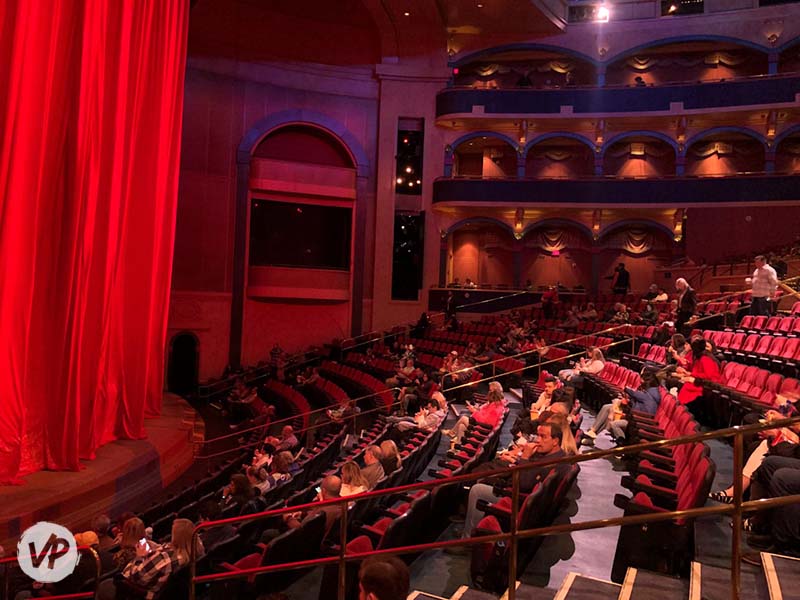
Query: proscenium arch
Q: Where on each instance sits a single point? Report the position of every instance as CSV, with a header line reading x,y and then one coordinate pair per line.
x,y
488,52
685,38
701,135
252,137
643,133
558,134
556,222
309,118
486,220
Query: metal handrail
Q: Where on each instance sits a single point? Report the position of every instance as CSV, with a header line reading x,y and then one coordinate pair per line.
x,y
98,573
736,509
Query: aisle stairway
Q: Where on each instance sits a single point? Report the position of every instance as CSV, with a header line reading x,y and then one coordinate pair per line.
x,y
778,579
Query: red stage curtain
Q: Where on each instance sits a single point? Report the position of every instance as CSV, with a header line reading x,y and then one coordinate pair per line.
x,y
90,119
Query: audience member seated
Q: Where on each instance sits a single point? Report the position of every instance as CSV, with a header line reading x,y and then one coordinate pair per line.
x,y
287,441
545,398
132,532
621,314
240,493
390,461
101,525
373,469
547,446
426,419
589,313
353,482
592,364
772,442
469,284
489,414
704,367
209,511
278,473
646,400
154,564
662,296
649,315
405,374
383,578
678,355
652,293
571,322
329,489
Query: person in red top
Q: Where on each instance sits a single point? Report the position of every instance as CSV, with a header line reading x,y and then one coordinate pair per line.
x,y
704,367
489,414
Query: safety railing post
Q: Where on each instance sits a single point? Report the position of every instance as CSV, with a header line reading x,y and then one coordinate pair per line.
x,y
97,573
513,545
193,564
342,592
736,538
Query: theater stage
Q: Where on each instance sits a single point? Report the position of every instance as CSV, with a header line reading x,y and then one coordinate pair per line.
x,y
125,475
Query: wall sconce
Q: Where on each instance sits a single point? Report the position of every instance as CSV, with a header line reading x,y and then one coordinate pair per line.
x,y
602,44
773,29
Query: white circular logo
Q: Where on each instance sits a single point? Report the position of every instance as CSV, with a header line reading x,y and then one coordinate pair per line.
x,y
47,552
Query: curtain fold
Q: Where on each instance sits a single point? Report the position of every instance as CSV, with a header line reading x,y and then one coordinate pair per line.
x,y
89,154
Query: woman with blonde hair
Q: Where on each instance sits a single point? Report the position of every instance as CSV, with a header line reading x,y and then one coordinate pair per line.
x,y
132,532
154,565
391,460
568,444
353,482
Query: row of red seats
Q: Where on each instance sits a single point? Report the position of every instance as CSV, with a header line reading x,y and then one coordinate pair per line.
x,y
362,379
655,353
291,397
337,394
775,324
557,337
460,338
435,347
767,349
759,385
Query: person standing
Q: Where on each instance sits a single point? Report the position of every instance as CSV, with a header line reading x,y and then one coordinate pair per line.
x,y
621,280
687,304
764,282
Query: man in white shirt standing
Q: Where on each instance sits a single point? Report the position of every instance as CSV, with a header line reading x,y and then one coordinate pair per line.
x,y
764,283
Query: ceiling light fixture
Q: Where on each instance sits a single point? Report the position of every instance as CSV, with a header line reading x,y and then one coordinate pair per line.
x,y
672,8
602,14
406,14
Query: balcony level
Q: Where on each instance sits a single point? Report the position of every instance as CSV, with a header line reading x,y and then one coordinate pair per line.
x,y
616,191
773,91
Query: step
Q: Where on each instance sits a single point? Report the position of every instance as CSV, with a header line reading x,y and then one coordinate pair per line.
x,y
641,584
468,593
419,595
531,592
579,587
714,583
783,576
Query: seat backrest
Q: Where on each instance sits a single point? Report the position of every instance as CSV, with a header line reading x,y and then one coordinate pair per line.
x,y
773,323
750,342
787,323
736,341
763,344
776,347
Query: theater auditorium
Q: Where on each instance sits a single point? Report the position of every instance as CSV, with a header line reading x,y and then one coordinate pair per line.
x,y
388,299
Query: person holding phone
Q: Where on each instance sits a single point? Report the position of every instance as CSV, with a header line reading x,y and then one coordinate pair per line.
x,y
328,489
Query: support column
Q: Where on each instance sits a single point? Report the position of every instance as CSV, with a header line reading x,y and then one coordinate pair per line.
x,y
598,164
443,261
680,165
769,161
772,64
520,164
365,196
517,257
448,161
601,76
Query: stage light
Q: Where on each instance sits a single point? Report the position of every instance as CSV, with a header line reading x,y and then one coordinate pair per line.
x,y
602,14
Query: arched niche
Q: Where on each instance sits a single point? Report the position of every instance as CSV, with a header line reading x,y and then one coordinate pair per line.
x,y
687,60
525,66
639,155
787,153
722,152
789,58
485,156
556,251
641,245
481,250
304,144
559,157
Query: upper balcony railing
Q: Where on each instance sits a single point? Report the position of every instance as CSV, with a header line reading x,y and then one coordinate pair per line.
x,y
760,90
613,190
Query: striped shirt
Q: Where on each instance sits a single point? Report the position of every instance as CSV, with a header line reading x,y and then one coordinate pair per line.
x,y
765,280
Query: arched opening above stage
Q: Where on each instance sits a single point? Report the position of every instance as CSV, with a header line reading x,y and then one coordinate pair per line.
x,y
726,151
485,156
183,364
687,60
640,154
559,156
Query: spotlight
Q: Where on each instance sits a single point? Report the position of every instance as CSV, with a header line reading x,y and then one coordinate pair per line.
x,y
419,181
408,169
602,14
410,184
672,8
405,140
399,180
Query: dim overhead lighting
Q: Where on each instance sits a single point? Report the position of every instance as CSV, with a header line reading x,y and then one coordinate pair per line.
x,y
410,184
672,8
602,14
405,140
406,14
408,169
480,5
419,181
399,180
